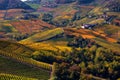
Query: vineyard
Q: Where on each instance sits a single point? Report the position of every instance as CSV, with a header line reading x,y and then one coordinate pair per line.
x,y
15,48
11,67
59,40
19,53
11,13
13,77
47,46
6,47
45,35
110,30
30,26
114,47
88,34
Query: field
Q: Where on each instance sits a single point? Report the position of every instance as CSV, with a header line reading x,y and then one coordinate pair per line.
x,y
62,40
8,66
45,35
85,33
47,40
48,46
11,13
30,26
112,46
19,55
110,30
15,48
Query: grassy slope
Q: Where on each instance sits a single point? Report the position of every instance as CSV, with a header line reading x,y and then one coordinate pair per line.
x,y
49,44
111,30
15,48
19,62
34,6
45,35
18,69
6,27
113,46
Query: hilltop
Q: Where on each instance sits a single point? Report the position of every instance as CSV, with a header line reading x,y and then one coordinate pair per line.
x,y
13,4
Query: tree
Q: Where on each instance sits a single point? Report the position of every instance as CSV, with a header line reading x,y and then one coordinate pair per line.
x,y
84,1
47,17
80,42
76,16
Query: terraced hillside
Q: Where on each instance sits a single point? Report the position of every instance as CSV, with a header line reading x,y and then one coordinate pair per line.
x,y
59,40
11,13
19,55
30,26
50,40
15,48
45,35
13,70
87,34
112,31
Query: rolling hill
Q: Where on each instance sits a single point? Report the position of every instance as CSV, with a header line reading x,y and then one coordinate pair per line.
x,y
17,71
30,26
38,48
10,4
14,54
45,35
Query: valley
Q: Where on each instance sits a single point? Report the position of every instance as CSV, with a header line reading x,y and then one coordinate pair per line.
x,y
59,40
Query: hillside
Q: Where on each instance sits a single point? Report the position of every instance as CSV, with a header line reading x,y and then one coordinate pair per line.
x,y
87,34
13,70
30,26
15,48
14,54
10,4
45,35
59,40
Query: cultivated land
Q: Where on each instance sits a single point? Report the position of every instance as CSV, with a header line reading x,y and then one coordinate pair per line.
x,y
60,40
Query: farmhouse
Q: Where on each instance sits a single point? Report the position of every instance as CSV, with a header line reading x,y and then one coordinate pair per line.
x,y
88,26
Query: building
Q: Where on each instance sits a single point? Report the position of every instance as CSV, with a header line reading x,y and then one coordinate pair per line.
x,y
88,26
